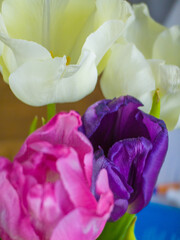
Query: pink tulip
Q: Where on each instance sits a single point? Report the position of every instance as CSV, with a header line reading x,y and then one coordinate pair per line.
x,y
45,194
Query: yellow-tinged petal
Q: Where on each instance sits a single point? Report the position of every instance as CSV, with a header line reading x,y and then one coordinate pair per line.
x,y
23,19
167,46
9,62
4,71
24,50
42,82
4,53
1,3
100,41
67,21
170,110
61,24
167,79
52,23
128,72
143,31
170,79
114,9
105,10
155,67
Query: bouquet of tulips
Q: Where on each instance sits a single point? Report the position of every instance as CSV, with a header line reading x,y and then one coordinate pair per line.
x,y
85,177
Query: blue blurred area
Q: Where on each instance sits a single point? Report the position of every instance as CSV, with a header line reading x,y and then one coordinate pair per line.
x,y
158,222
159,9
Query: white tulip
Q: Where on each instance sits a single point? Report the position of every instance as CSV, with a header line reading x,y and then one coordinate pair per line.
x,y
147,59
50,49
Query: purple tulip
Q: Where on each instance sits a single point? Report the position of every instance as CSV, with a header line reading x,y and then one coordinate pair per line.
x,y
131,146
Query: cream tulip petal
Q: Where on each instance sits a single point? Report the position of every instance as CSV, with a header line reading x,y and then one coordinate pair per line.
x,y
170,110
167,46
156,68
9,59
86,31
24,19
3,68
4,71
128,73
42,82
2,30
25,50
167,79
143,31
67,21
100,41
170,78
114,9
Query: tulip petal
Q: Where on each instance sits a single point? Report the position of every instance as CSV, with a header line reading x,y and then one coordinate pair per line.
x,y
54,133
114,9
4,70
23,19
143,31
87,223
12,222
48,22
128,72
108,10
167,45
50,81
130,145
97,119
7,61
68,20
100,41
170,110
85,226
159,138
168,81
25,51
74,181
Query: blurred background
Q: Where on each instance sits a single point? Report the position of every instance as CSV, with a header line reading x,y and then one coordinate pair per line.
x,y
166,12
16,117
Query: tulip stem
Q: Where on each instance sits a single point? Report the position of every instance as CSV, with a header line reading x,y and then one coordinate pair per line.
x,y
156,105
51,111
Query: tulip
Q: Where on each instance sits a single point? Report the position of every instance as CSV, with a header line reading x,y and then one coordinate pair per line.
x,y
131,145
50,50
46,190
144,60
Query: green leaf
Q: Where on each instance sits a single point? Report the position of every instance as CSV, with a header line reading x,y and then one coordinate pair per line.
x,y
123,229
156,105
43,121
33,126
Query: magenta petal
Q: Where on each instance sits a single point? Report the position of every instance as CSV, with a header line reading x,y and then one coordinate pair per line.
x,y
12,220
61,130
80,224
74,181
46,190
106,200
